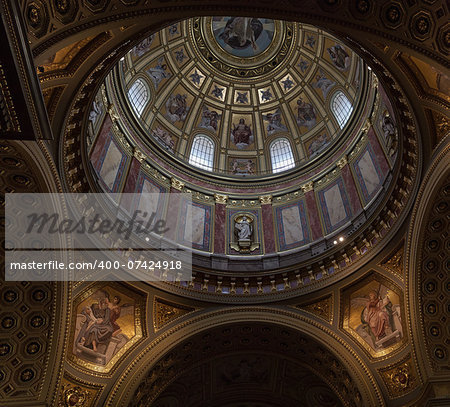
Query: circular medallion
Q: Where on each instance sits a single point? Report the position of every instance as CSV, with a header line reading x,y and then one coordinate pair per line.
x,y
244,47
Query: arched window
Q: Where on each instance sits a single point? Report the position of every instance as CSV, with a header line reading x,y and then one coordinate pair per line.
x,y
281,155
202,153
341,107
138,94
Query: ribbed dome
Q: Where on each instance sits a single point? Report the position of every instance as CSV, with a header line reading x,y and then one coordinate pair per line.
x,y
242,96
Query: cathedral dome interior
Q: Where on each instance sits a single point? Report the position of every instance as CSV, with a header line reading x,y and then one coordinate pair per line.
x,y
299,152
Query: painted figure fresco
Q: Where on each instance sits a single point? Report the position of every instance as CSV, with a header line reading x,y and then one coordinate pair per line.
x,y
376,316
105,323
164,138
158,72
274,122
143,46
177,108
317,145
323,83
243,36
306,114
339,57
242,166
210,119
241,134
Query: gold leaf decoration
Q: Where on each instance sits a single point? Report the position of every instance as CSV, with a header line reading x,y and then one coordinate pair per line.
x,y
165,312
322,308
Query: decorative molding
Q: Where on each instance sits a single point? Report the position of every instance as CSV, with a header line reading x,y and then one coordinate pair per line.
x,y
166,312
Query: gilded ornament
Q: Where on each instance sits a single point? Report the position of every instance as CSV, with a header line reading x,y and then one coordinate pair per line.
x,y
176,184
308,187
221,199
265,199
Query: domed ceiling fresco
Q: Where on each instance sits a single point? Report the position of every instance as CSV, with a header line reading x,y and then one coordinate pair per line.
x,y
244,83
282,135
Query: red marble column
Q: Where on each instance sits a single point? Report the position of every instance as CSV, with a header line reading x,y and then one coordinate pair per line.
x,y
379,153
268,227
173,212
219,226
100,143
350,187
130,184
313,215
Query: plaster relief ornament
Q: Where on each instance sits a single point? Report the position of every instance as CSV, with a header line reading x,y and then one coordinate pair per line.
x,y
158,73
196,78
241,135
339,57
390,134
210,119
303,65
218,92
243,234
275,122
306,115
266,95
143,46
323,83
180,56
311,41
288,83
242,97
177,108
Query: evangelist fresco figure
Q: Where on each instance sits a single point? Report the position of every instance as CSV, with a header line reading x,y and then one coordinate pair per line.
x,y
323,83
339,57
210,119
143,46
158,73
241,134
99,334
379,317
177,108
306,115
275,122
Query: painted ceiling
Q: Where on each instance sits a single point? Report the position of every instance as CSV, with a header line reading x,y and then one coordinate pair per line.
x,y
243,82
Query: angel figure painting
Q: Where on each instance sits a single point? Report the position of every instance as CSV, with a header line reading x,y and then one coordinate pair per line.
x,y
104,324
375,316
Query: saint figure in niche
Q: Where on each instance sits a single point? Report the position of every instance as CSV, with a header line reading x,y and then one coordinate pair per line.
x,y
241,134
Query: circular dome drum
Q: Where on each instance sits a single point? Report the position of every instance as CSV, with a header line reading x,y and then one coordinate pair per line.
x,y
280,133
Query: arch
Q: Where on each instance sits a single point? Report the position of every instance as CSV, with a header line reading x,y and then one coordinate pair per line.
x,y
202,152
126,389
138,95
341,107
281,155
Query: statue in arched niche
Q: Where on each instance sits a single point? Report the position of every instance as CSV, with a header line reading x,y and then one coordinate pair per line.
x,y
244,240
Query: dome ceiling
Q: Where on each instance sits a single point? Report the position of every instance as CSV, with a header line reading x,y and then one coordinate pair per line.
x,y
243,83
239,87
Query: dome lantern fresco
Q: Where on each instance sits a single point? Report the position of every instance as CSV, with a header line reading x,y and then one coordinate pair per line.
x,y
277,129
